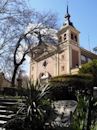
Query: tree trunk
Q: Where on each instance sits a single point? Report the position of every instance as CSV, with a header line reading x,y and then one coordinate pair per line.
x,y
14,76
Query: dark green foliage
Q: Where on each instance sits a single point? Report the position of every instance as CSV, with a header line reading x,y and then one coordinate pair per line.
x,y
90,68
75,81
80,115
16,124
64,87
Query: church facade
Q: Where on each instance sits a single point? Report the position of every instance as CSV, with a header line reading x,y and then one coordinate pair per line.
x,y
64,58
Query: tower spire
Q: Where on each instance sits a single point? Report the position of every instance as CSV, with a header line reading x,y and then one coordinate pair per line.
x,y
67,11
67,17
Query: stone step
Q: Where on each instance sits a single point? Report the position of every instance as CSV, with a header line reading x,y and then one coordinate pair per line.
x,y
2,128
8,100
8,103
2,123
7,110
2,107
6,117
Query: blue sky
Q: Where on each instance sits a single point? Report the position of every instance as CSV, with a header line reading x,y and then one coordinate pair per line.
x,y
83,15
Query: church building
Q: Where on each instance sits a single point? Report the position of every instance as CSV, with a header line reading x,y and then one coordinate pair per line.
x,y
64,58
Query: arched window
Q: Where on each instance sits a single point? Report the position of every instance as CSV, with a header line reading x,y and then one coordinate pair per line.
x,y
64,36
75,38
72,36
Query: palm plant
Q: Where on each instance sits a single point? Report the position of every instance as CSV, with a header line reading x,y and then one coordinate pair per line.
x,y
79,118
34,111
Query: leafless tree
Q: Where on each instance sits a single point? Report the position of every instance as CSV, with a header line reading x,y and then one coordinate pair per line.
x,y
15,16
43,23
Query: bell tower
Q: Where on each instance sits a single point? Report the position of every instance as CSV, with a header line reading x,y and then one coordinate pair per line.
x,y
69,41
